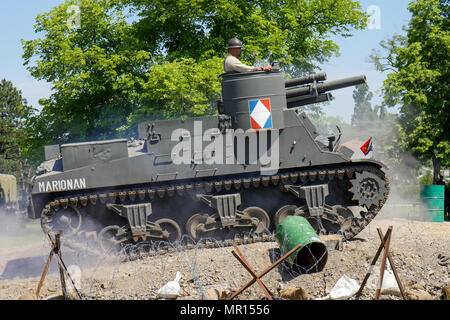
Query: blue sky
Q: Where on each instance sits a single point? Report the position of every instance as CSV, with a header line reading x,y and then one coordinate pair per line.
x,y
355,52
17,19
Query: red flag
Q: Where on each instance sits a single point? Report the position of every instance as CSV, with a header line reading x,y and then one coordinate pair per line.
x,y
367,147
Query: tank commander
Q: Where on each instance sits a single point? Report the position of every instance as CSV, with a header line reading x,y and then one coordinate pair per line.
x,y
232,63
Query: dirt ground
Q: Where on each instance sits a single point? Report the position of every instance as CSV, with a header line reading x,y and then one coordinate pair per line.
x,y
420,251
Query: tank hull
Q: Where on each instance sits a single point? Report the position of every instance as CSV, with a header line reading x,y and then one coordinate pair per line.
x,y
244,170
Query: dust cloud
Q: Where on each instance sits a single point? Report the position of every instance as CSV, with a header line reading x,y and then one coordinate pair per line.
x,y
402,170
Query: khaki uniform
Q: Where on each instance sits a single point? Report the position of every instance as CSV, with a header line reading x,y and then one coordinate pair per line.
x,y
232,63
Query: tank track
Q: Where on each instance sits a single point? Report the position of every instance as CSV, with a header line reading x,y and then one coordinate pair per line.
x,y
216,184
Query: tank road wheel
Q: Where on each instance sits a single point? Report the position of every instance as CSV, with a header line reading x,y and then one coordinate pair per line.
x,y
170,230
344,221
68,220
259,217
112,237
195,226
283,213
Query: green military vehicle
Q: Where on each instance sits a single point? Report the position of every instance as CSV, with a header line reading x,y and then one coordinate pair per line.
x,y
8,194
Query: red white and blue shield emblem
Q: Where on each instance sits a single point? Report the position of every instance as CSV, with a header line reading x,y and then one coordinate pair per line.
x,y
260,114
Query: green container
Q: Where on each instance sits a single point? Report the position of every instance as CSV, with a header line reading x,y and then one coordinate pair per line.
x,y
313,254
433,198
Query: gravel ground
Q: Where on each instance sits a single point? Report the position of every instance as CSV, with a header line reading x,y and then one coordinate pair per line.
x,y
419,250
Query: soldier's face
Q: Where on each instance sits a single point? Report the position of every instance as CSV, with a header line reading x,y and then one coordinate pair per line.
x,y
236,52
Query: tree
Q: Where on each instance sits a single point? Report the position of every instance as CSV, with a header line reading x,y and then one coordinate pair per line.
x,y
14,113
181,88
95,70
363,112
131,60
419,81
293,32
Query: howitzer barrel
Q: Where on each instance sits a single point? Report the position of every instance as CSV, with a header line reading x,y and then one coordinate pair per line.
x,y
326,86
341,83
306,79
304,100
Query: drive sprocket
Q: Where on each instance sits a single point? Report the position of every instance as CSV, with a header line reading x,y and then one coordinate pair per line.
x,y
368,188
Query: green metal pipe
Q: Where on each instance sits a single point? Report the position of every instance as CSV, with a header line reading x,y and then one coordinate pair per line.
x,y
313,254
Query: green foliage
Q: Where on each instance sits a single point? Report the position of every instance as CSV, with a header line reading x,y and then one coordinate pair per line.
x,y
14,113
426,179
182,88
363,108
96,72
419,81
293,32
132,60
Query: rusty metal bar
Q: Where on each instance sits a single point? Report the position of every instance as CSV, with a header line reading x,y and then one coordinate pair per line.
x,y
61,271
394,270
383,265
267,270
374,261
255,276
62,266
44,273
244,262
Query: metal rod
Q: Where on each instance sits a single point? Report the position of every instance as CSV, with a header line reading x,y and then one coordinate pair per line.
x,y
383,264
62,266
374,261
44,273
267,270
394,270
61,263
250,270
61,271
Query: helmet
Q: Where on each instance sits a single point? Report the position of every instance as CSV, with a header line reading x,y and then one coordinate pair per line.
x,y
234,43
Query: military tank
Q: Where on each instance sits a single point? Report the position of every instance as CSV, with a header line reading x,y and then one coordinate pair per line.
x,y
242,171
